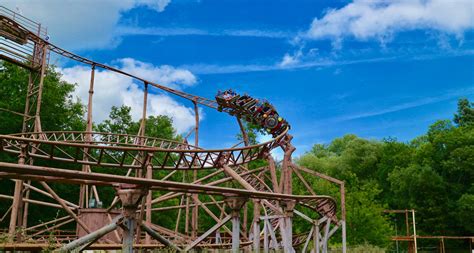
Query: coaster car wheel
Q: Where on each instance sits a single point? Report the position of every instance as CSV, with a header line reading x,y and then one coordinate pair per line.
x,y
271,122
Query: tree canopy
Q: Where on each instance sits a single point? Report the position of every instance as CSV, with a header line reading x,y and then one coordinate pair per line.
x,y
432,174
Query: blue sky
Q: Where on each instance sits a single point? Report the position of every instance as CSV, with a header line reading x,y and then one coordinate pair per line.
x,y
372,68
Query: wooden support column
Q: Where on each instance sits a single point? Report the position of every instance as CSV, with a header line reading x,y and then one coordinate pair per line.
x,y
129,226
83,189
235,203
141,131
326,236
195,209
288,207
24,223
245,136
265,237
316,236
149,197
343,215
37,127
414,230
89,101
17,205
286,180
273,175
131,196
256,226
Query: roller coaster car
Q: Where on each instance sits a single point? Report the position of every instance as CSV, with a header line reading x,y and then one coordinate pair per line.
x,y
11,31
252,110
226,99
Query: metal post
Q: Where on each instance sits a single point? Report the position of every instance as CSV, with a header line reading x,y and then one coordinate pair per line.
x,y
17,197
235,231
235,203
149,175
160,238
265,237
288,210
344,246
414,230
256,226
24,223
316,236
129,225
326,236
195,209
130,196
343,216
40,90
92,237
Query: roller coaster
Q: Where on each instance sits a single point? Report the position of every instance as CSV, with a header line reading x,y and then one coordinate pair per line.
x,y
215,199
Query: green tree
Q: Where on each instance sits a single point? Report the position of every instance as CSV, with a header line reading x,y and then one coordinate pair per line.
x,y
119,122
465,211
423,189
354,160
465,115
59,109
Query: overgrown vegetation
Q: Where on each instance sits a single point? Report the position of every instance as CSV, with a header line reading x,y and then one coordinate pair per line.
x,y
432,174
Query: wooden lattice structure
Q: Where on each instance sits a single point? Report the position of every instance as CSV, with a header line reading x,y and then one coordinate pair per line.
x,y
150,177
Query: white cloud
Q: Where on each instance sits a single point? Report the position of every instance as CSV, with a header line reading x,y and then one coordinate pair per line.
x,y
181,31
112,89
380,19
290,60
206,69
159,5
165,74
81,24
404,106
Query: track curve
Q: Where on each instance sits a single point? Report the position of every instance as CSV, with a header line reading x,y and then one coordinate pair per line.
x,y
72,147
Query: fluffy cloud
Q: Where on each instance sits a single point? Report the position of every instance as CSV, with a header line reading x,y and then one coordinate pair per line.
x,y
165,74
291,59
380,19
81,24
111,89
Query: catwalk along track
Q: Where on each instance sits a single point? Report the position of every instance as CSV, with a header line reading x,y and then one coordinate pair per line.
x,y
139,192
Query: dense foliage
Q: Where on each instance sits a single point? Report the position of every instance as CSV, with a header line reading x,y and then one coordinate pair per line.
x,y
432,174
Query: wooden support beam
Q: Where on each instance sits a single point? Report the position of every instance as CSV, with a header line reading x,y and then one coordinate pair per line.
x,y
51,228
29,186
308,239
47,223
65,207
256,226
38,202
152,183
208,232
160,238
208,211
16,212
91,237
149,197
